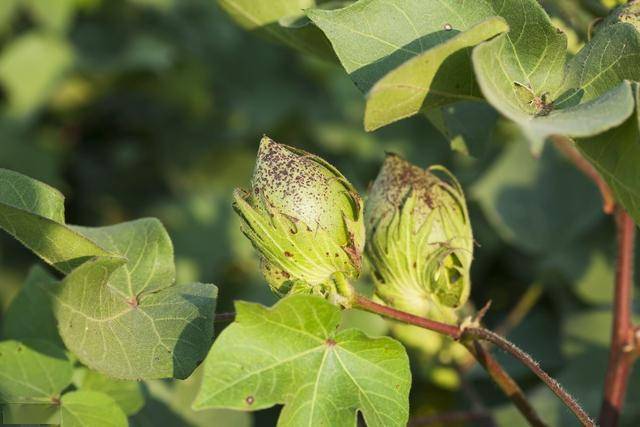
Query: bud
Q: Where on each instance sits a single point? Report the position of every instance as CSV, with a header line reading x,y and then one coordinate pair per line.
x,y
305,219
419,239
628,13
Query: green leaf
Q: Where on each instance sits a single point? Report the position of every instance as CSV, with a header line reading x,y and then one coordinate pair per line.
x,y
409,54
517,193
30,67
90,409
292,355
154,335
127,394
33,213
30,314
402,92
30,413
616,154
525,76
280,20
32,371
119,312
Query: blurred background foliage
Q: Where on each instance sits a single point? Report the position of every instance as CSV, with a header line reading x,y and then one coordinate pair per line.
x,y
155,108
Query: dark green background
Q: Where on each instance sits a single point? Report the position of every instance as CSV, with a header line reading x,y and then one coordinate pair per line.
x,y
157,108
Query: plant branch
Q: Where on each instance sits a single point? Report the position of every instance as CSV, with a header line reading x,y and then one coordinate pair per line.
x,y
477,333
623,341
527,360
567,147
515,316
504,381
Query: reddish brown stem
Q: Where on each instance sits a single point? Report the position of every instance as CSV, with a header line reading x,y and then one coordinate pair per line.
x,y
472,334
366,304
507,384
621,355
566,146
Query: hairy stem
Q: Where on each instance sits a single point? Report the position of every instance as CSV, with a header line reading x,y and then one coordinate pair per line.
x,y
527,360
621,354
505,382
477,333
517,314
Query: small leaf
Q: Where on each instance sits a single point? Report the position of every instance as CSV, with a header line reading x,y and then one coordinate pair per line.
x,y
32,371
532,84
90,409
127,394
30,314
291,354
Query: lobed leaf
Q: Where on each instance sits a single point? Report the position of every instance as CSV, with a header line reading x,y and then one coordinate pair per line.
x,y
291,354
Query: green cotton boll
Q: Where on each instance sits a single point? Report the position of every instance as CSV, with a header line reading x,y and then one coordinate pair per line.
x,y
419,241
305,219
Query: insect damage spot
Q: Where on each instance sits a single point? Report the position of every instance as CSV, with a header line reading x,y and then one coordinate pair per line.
x,y
249,400
448,27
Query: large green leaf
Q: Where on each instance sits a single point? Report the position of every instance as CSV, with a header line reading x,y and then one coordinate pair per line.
x,y
518,192
282,20
118,308
291,354
524,75
90,409
32,371
408,54
616,154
